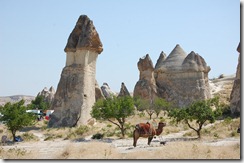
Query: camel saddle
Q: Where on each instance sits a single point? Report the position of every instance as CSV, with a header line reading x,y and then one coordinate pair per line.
x,y
144,128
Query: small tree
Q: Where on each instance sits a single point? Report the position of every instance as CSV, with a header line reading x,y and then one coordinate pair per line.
x,y
160,104
40,103
15,116
118,108
199,111
151,106
144,105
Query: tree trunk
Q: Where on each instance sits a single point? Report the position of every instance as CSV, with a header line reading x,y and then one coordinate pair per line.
x,y
13,134
198,134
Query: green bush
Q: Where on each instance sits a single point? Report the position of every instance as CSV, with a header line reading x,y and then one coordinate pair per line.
x,y
81,130
97,136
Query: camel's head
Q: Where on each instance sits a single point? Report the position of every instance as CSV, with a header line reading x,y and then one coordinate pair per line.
x,y
161,124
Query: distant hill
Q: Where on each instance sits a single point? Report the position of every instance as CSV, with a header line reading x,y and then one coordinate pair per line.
x,y
16,98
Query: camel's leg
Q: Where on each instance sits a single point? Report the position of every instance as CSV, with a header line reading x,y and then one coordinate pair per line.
x,y
149,139
135,137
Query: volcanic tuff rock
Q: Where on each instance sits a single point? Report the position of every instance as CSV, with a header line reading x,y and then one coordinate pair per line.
x,y
84,37
123,91
98,92
146,86
182,78
235,97
107,92
47,94
75,94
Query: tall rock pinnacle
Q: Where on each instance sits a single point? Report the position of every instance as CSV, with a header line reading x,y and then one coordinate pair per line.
x,y
75,94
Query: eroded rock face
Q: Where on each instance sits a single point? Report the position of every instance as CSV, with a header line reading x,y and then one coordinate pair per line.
x,y
235,97
75,94
145,88
47,94
123,91
182,78
98,92
107,92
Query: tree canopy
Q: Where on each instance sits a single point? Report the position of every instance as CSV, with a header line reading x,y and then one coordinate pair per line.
x,y
118,108
199,112
15,116
40,103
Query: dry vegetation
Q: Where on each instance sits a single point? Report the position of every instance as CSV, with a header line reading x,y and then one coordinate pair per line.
x,y
72,143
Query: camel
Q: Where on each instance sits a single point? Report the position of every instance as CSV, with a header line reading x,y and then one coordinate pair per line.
x,y
146,130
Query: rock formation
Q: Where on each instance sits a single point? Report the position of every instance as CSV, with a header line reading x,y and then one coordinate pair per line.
x,y
75,94
123,91
235,97
146,86
182,78
47,94
98,92
107,92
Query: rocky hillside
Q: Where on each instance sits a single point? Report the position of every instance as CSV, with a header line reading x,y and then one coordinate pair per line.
x,y
222,87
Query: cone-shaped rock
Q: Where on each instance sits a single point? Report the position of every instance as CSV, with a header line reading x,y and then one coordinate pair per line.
x,y
123,91
175,59
160,60
75,94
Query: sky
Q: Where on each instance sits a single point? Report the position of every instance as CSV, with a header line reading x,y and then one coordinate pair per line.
x,y
33,34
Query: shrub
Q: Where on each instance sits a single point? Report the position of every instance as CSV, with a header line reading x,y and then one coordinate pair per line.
x,y
29,136
81,130
97,136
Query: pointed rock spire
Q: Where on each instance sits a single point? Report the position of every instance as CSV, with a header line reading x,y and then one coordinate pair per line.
x,y
84,36
176,57
123,91
160,60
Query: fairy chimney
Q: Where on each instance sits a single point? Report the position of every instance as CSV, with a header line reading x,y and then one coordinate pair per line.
x,y
75,93
146,87
182,78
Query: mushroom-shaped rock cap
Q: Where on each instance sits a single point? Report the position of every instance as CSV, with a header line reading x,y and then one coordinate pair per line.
x,y
84,36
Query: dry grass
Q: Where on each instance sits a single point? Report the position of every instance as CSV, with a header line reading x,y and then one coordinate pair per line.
x,y
61,143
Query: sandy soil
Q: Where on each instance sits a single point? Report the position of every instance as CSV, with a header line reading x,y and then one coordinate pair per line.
x,y
109,148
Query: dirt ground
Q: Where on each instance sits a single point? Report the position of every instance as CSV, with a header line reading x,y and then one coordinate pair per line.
x,y
176,147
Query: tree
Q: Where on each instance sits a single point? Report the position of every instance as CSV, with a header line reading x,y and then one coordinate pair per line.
x,y
160,104
199,111
118,108
151,106
15,116
40,103
144,105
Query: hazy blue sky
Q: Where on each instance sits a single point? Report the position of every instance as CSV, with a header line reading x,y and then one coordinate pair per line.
x,y
33,34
